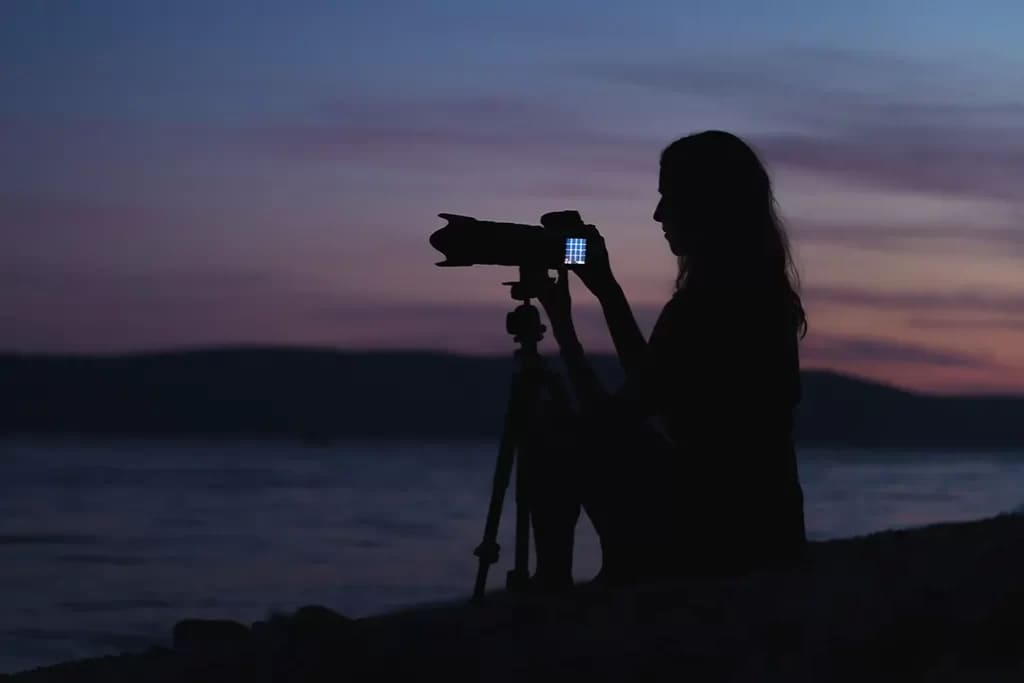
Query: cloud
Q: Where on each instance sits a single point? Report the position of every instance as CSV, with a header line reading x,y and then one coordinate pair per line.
x,y
912,238
969,241
961,159
846,350
422,131
66,308
879,119
345,127
45,231
962,301
797,84
463,327
198,282
595,190
960,322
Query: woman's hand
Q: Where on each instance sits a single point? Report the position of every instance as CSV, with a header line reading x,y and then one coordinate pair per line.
x,y
596,273
555,299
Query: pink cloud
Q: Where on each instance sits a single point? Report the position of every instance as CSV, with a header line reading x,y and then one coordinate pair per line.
x,y
918,301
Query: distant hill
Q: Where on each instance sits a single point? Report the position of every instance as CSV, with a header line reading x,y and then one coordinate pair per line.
x,y
321,394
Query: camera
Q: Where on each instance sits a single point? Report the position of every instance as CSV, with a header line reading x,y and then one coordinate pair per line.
x,y
560,240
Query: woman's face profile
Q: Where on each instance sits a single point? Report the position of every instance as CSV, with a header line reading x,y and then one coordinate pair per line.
x,y
669,213
669,226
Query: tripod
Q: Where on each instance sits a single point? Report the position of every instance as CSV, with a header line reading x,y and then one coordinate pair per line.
x,y
531,377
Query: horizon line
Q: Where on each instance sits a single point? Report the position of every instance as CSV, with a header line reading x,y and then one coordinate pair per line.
x,y
322,348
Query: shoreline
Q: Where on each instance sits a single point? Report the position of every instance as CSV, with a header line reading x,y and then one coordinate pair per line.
x,y
943,601
90,439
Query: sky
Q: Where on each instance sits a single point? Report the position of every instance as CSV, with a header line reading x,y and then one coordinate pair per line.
x,y
186,174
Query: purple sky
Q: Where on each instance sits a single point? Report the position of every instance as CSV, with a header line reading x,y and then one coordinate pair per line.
x,y
195,173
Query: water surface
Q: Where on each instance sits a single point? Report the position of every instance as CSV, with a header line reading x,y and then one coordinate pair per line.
x,y
105,545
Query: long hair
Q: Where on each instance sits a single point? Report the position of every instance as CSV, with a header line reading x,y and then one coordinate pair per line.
x,y
720,191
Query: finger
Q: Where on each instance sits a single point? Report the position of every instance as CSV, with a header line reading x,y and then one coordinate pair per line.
x,y
555,218
454,217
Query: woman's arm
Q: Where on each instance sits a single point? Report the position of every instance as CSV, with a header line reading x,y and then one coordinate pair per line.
x,y
652,368
586,385
630,345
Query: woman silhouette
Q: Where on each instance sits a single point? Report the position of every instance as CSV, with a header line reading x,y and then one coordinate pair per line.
x,y
690,468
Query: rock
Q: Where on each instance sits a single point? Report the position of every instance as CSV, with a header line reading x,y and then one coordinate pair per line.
x,y
309,625
195,635
313,643
942,603
320,620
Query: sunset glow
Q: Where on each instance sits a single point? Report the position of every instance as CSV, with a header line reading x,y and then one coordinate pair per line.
x,y
193,173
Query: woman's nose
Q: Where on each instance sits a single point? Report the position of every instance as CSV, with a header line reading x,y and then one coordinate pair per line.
x,y
657,213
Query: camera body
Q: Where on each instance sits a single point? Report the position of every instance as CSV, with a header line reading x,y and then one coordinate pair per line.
x,y
560,240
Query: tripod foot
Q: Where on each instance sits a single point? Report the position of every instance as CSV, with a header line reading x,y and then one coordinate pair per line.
x,y
517,581
544,585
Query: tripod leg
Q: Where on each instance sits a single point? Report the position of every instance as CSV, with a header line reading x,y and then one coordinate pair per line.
x,y
553,492
524,324
519,577
488,549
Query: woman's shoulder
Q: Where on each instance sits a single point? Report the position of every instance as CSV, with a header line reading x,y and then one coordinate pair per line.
x,y
676,309
693,304
683,319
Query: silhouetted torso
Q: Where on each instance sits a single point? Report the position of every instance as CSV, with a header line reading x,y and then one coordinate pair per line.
x,y
723,376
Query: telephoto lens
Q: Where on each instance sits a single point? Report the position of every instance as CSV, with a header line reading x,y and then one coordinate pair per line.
x,y
466,241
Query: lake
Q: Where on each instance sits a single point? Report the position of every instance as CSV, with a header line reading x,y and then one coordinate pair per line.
x,y
105,545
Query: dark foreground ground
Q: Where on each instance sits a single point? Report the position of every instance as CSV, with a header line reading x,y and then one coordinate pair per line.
x,y
942,603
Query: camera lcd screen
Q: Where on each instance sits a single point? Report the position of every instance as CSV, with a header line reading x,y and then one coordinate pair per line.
x,y
575,250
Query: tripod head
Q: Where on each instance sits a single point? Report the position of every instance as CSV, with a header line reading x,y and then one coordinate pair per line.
x,y
523,323
530,282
